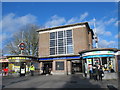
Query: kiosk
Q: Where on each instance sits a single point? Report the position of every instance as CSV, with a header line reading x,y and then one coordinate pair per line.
x,y
105,57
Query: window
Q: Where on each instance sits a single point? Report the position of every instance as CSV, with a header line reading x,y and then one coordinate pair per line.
x,y
61,42
60,50
60,65
52,51
52,35
69,49
52,43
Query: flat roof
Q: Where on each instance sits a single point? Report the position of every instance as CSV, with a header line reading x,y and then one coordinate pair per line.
x,y
63,26
99,49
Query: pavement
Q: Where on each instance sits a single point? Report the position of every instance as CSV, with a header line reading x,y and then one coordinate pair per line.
x,y
56,81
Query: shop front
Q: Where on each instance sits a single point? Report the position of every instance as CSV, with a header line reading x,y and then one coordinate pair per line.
x,y
106,58
19,65
3,65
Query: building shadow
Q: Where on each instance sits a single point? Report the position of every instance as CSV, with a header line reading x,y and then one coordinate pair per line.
x,y
78,81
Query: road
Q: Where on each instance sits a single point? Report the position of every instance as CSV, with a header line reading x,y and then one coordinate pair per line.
x,y
55,81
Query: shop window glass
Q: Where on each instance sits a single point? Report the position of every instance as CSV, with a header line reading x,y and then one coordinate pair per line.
x,y
60,65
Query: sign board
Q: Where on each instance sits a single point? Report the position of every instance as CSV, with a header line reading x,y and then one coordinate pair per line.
x,y
22,71
4,60
97,52
93,56
22,46
89,61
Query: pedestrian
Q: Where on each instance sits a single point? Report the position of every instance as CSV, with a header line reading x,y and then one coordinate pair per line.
x,y
95,73
47,70
100,71
90,72
5,71
32,69
50,69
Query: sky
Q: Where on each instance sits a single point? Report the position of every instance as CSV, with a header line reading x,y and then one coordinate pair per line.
x,y
50,14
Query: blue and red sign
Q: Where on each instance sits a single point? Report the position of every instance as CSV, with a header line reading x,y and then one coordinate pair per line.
x,y
22,46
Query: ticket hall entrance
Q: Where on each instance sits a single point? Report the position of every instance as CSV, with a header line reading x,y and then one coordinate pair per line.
x,y
76,66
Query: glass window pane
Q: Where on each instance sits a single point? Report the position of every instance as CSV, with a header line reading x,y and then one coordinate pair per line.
x,y
60,34
60,50
52,51
52,35
60,65
52,43
56,50
69,33
69,49
69,41
60,42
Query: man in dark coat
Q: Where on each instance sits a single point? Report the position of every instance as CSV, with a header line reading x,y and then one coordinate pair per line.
x,y
47,70
100,73
95,73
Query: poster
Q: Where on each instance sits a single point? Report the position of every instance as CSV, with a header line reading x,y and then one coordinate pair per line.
x,y
89,61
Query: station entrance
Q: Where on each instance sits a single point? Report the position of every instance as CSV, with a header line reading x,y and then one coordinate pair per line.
x,y
76,66
47,64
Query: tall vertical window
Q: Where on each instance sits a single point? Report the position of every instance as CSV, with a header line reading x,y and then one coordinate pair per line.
x,y
61,42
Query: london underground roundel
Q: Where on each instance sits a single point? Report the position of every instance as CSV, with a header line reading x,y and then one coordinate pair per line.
x,y
22,46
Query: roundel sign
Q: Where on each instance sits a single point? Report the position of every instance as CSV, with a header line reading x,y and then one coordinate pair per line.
x,y
22,46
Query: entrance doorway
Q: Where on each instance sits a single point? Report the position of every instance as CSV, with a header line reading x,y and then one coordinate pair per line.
x,y
47,65
76,66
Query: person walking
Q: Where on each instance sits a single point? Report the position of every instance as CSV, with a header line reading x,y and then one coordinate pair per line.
x,y
47,70
95,73
100,73
5,71
90,72
32,69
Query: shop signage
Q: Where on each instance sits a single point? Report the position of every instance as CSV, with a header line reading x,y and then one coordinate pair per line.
x,y
59,58
89,61
4,60
23,58
98,52
92,56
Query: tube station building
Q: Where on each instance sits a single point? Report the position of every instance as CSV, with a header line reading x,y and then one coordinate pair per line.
x,y
59,47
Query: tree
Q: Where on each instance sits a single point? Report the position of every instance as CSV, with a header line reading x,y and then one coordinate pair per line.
x,y
29,36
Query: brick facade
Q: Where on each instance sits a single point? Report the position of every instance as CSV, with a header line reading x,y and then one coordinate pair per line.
x,y
82,37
